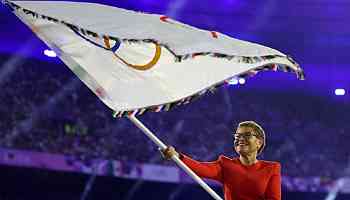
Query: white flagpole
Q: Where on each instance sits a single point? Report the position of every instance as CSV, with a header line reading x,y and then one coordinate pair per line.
x,y
162,146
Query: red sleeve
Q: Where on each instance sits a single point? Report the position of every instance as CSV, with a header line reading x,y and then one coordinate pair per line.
x,y
273,191
211,170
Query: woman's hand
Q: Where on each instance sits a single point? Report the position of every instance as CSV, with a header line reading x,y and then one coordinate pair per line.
x,y
169,152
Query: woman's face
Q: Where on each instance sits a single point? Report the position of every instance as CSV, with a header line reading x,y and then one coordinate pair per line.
x,y
246,141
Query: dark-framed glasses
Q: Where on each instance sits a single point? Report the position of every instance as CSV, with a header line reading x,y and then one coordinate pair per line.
x,y
246,135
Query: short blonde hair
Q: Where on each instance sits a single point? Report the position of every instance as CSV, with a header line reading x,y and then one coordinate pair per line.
x,y
258,130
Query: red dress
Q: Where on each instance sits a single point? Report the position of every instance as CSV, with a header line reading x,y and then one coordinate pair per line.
x,y
260,181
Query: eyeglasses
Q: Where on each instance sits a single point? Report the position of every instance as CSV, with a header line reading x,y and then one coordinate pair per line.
x,y
246,135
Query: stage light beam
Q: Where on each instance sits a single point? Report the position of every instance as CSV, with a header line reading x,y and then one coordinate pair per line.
x,y
50,53
339,92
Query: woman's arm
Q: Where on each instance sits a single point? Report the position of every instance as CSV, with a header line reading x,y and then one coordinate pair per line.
x,y
273,191
210,170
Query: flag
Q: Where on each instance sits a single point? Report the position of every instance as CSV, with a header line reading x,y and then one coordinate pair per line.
x,y
136,62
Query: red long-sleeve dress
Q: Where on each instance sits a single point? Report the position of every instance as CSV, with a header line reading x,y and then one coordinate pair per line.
x,y
260,181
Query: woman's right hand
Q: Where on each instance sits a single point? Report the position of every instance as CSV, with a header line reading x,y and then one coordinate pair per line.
x,y
169,152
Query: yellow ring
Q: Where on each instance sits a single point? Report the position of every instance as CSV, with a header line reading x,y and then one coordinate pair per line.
x,y
147,66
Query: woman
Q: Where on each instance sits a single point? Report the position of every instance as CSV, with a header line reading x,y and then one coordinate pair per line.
x,y
243,177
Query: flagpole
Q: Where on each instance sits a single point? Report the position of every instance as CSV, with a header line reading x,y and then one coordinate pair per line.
x,y
162,146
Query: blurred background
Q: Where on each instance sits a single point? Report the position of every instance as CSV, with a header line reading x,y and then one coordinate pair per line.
x,y
58,141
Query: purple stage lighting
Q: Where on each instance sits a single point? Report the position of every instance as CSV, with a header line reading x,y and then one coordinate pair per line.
x,y
241,81
339,92
233,81
50,53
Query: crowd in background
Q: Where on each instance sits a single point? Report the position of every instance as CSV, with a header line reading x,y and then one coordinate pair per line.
x,y
46,108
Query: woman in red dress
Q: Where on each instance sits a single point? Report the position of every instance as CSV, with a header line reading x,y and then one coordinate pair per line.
x,y
244,177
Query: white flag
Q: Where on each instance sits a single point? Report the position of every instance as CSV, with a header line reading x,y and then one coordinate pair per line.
x,y
135,62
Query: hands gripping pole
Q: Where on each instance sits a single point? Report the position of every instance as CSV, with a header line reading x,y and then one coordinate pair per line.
x,y
162,146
